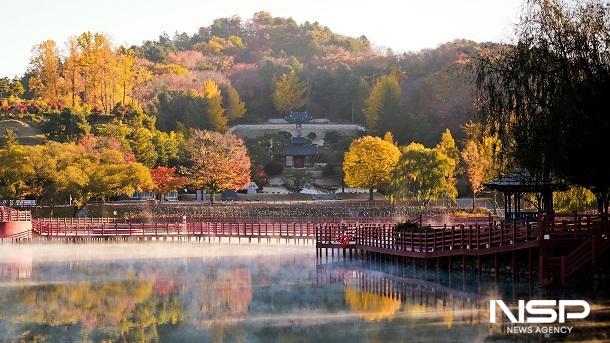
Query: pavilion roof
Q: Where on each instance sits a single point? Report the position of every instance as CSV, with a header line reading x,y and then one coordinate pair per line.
x,y
298,117
521,180
301,146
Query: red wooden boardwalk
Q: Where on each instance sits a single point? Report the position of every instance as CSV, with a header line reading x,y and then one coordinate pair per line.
x,y
108,228
564,246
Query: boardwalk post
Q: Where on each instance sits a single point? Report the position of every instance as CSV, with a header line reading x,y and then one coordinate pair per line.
x,y
426,240
514,232
491,226
452,237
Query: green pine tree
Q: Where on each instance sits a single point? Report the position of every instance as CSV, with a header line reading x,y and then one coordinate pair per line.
x,y
213,107
144,148
382,108
9,139
235,108
289,93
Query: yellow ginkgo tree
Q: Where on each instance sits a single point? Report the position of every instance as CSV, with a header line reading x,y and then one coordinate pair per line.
x,y
369,163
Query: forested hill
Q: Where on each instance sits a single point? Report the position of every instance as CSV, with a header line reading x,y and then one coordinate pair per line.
x,y
339,71
261,68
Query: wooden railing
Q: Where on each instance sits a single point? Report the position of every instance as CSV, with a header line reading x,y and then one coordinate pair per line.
x,y
461,237
584,255
429,239
93,228
8,214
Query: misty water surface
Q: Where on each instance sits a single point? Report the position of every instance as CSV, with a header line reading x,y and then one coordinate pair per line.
x,y
188,292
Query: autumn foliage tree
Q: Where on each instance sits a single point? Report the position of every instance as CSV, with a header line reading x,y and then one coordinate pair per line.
x,y
369,163
55,172
45,67
217,162
92,74
166,180
476,167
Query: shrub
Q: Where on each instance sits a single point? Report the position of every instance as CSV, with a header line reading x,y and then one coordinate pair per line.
x,y
274,168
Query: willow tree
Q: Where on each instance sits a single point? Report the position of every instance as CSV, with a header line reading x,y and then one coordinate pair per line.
x,y
421,175
546,95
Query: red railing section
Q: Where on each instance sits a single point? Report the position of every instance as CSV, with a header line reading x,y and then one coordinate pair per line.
x,y
8,214
94,227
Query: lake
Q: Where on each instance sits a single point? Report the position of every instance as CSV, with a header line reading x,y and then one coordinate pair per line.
x,y
189,292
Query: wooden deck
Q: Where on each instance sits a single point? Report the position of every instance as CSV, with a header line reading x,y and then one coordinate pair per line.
x,y
560,248
107,228
565,246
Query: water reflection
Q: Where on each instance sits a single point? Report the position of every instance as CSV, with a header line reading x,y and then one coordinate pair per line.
x,y
194,292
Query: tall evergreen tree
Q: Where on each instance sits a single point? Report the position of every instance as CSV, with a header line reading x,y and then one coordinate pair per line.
x,y
382,108
235,108
289,93
143,147
9,139
213,107
5,89
447,146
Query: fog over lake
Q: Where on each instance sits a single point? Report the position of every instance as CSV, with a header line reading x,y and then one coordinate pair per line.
x,y
246,293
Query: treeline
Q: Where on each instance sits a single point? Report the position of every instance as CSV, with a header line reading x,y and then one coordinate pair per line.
x,y
250,70
102,168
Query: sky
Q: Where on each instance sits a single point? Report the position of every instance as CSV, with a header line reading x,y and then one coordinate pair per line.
x,y
406,25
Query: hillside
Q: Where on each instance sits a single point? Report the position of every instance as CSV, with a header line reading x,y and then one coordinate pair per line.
x,y
229,73
339,71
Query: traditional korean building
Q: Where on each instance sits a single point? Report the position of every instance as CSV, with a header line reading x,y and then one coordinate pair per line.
x,y
514,186
300,152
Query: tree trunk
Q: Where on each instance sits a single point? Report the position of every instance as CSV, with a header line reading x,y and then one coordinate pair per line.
x,y
370,194
602,203
212,198
474,201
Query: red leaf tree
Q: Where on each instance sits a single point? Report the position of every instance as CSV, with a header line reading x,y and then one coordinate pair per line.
x,y
166,180
217,162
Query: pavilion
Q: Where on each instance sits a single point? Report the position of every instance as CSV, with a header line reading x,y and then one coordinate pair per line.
x,y
515,185
300,152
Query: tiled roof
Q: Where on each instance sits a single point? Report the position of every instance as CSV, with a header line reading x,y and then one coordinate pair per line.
x,y
301,146
522,181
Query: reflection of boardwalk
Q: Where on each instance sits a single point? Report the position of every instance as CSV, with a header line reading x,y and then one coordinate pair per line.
x,y
563,246
387,284
374,293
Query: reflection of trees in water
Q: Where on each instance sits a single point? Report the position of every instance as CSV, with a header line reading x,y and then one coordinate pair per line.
x,y
93,304
371,306
376,296
221,298
128,310
140,324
